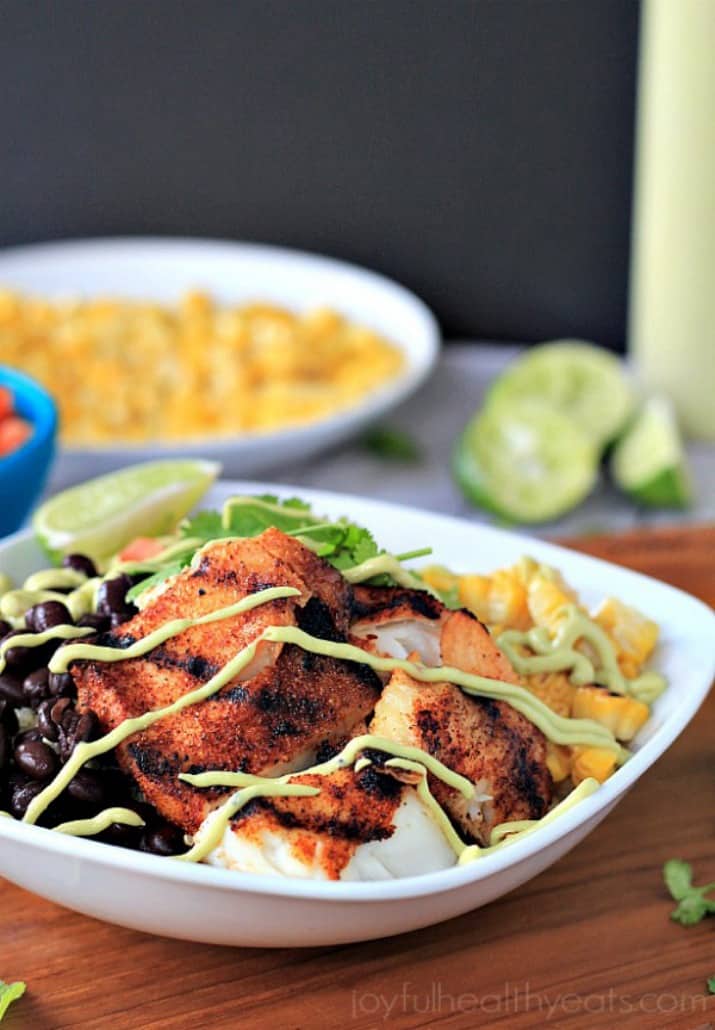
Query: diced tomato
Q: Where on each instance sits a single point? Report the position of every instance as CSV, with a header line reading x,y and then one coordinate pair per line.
x,y
5,402
140,549
14,431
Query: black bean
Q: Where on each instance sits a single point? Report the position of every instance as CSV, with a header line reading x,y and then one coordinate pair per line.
x,y
87,786
47,614
35,759
122,835
84,729
33,733
5,748
45,723
93,620
62,685
8,719
118,618
111,596
21,794
162,839
5,628
11,689
36,687
71,727
80,563
17,657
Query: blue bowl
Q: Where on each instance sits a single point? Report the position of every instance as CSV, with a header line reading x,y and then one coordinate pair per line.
x,y
23,472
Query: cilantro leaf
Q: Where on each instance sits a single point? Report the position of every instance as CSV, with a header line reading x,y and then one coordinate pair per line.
x,y
678,876
693,905
690,910
342,543
392,444
711,984
291,502
154,580
357,546
250,519
206,525
10,993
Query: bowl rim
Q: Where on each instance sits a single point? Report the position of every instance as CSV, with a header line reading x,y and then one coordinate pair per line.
x,y
42,414
589,810
417,366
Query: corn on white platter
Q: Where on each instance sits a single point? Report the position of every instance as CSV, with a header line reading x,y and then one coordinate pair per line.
x,y
202,903
162,270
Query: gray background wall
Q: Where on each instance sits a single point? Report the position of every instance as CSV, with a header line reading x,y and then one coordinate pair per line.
x,y
478,150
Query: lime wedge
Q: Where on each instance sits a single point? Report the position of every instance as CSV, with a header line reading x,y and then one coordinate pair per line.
x,y
648,463
530,464
102,515
575,378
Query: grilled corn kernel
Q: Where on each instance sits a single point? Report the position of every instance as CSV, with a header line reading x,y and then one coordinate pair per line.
x,y
546,599
525,570
499,599
633,634
439,578
474,594
591,761
558,761
507,600
623,716
554,689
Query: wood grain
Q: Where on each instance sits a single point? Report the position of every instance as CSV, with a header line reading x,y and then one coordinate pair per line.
x,y
586,944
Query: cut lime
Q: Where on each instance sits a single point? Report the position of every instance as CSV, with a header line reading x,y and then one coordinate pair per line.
x,y
531,464
648,463
102,515
575,378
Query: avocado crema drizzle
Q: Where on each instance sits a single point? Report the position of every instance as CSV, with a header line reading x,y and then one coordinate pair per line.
x,y
560,730
559,654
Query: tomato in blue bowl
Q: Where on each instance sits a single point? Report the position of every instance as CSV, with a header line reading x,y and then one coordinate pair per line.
x,y
28,429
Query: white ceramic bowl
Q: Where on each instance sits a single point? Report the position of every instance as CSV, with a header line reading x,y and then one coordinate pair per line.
x,y
163,269
205,904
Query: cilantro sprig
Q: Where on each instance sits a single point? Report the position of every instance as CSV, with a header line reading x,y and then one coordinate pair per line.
x,y
342,543
693,903
10,993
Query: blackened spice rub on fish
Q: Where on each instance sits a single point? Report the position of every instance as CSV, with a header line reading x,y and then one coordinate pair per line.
x,y
274,717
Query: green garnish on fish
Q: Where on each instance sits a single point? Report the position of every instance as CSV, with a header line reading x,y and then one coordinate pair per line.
x,y
342,543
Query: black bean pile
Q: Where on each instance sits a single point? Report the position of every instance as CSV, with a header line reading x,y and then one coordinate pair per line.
x,y
30,758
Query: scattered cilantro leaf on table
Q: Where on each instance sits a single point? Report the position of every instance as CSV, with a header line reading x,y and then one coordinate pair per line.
x,y
10,993
711,985
693,905
392,444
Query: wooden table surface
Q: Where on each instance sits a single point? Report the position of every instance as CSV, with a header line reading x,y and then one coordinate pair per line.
x,y
586,944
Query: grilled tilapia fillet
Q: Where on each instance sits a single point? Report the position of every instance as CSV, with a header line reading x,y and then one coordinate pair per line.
x,y
396,622
487,741
362,826
269,720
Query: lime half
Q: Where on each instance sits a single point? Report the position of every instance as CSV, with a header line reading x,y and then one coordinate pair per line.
x,y
530,464
648,463
102,515
577,379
